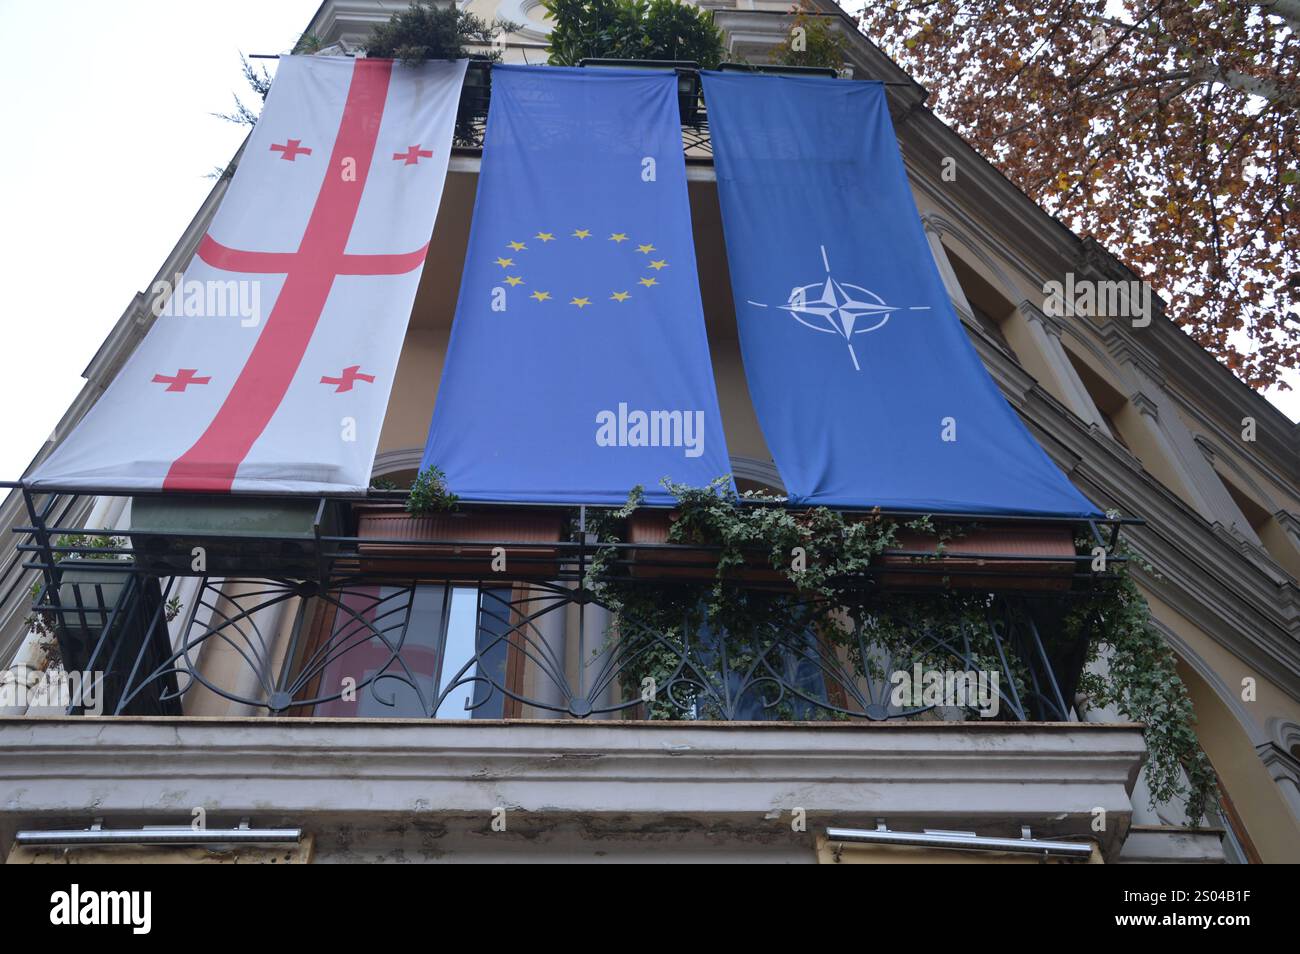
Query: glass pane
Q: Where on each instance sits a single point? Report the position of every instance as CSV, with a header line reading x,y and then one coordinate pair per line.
x,y
459,652
474,664
392,670
403,686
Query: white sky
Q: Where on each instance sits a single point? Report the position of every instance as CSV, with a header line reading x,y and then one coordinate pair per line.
x,y
108,138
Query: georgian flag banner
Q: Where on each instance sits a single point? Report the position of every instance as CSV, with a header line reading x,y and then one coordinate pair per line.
x,y
270,366
866,387
579,365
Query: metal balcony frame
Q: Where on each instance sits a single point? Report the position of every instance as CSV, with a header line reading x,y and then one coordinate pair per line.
x,y
768,676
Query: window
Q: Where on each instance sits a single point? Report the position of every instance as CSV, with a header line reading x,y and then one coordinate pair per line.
x,y
988,306
1115,432
1270,532
1110,403
413,652
991,328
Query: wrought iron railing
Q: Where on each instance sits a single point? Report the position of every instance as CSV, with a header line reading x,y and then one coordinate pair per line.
x,y
353,628
476,97
391,650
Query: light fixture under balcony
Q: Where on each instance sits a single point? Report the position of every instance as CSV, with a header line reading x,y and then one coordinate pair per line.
x,y
961,841
97,835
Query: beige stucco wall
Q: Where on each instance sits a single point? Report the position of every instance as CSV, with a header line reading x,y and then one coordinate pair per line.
x,y
1229,741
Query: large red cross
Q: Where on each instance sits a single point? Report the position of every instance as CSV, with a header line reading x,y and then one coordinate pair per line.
x,y
309,275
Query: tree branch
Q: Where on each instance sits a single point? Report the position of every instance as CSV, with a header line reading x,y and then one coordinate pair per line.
x,y
1288,10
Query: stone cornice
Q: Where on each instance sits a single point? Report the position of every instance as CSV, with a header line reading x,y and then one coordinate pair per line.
x,y
1127,351
1145,404
349,21
1051,324
1051,776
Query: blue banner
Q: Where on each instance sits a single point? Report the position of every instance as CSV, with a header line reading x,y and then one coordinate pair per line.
x,y
864,382
578,365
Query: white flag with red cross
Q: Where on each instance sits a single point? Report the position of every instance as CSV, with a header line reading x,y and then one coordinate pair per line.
x,y
270,364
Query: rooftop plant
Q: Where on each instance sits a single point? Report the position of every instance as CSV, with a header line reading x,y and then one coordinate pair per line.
x,y
632,30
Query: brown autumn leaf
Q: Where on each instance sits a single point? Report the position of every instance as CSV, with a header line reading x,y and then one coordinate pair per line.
x,y
1173,125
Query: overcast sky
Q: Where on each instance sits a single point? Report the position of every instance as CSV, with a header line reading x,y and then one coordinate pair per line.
x,y
108,138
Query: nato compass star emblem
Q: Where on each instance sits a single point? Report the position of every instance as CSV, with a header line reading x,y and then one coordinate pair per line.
x,y
839,308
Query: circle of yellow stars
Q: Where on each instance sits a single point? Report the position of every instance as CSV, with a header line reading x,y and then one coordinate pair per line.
x,y
653,265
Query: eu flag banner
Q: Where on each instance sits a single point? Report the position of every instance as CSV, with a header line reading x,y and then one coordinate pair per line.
x,y
864,382
578,365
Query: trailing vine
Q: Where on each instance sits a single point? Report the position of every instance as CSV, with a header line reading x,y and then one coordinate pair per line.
x,y
1133,670
824,557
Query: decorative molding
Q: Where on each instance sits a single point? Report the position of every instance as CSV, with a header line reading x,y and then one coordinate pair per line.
x,y
1050,775
348,22
1278,754
517,11
1145,404
760,471
1052,325
395,461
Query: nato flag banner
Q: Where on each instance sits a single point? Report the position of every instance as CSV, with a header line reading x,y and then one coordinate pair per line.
x,y
578,365
864,382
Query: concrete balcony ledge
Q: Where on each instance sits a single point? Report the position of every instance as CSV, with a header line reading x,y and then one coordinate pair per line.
x,y
1166,844
623,779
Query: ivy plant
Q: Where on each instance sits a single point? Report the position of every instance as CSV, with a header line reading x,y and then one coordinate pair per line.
x,y
823,555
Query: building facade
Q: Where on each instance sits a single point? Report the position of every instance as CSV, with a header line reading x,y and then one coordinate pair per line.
x,y
1142,420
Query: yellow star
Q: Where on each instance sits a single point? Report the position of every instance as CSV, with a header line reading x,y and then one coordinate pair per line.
x,y
618,237
620,296
541,295
659,264
645,249
545,236
581,302
513,280
505,262
517,246
647,282
581,233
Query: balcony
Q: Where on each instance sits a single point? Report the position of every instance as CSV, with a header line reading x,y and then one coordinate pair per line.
x,y
351,608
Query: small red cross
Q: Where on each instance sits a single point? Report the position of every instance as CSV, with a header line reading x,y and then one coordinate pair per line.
x,y
292,149
413,155
181,380
349,376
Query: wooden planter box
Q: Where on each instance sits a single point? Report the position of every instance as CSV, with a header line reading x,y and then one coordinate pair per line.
x,y
241,536
470,538
651,527
966,564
